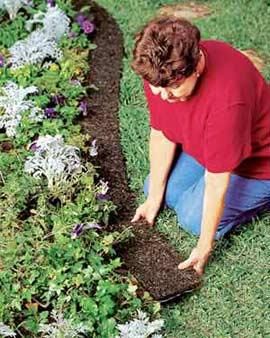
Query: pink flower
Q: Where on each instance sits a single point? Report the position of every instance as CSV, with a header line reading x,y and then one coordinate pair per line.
x,y
88,27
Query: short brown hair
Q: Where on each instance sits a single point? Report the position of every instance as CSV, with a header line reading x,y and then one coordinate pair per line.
x,y
166,49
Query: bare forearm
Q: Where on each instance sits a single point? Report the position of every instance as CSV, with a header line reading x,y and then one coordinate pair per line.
x,y
161,153
212,212
213,208
216,186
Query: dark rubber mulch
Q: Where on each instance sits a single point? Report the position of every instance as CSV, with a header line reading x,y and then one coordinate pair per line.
x,y
148,256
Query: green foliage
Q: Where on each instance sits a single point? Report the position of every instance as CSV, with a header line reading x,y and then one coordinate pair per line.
x,y
12,31
50,270
41,267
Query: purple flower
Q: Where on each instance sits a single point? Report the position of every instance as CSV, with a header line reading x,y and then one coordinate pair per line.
x,y
58,100
102,191
50,113
103,187
88,27
33,146
102,197
83,107
80,18
51,3
79,228
2,61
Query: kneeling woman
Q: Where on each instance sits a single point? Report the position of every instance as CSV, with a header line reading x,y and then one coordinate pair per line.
x,y
210,132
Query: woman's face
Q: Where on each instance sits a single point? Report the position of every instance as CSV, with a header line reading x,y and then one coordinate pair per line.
x,y
179,92
183,89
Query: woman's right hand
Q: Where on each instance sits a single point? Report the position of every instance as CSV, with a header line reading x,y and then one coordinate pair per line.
x,y
148,211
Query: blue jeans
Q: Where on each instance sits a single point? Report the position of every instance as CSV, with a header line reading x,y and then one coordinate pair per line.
x,y
245,197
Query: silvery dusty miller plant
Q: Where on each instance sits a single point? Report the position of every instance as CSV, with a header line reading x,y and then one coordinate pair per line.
x,y
5,331
13,103
34,49
62,328
141,327
93,151
54,160
13,6
55,22
41,43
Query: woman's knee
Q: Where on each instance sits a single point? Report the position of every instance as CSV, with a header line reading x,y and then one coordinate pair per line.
x,y
188,210
172,193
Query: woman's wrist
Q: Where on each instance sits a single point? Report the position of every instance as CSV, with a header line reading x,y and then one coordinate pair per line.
x,y
205,245
157,199
156,192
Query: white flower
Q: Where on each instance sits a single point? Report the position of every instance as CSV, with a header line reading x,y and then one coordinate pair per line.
x,y
103,187
93,149
55,22
141,327
62,328
5,331
34,49
54,160
13,6
13,104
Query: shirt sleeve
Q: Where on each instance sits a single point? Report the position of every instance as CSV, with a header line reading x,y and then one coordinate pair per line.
x,y
153,107
227,138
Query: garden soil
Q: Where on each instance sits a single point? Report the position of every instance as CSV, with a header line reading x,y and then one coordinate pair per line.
x,y
148,256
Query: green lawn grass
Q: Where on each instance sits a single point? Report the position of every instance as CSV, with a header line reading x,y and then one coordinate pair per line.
x,y
235,297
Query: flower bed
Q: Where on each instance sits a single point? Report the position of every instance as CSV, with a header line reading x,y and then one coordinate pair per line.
x,y
57,276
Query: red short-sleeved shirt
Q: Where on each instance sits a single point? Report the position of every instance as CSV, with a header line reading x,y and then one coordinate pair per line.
x,y
225,124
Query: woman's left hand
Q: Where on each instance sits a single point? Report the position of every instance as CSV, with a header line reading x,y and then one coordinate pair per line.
x,y
197,259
